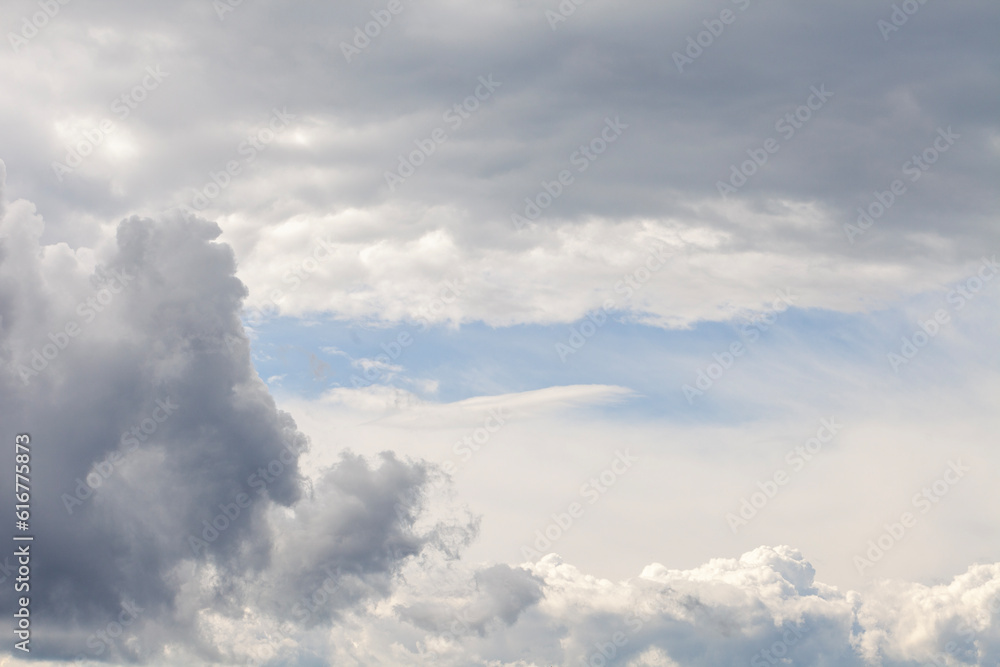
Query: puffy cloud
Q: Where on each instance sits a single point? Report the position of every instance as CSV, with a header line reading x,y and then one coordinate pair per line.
x,y
165,479
764,608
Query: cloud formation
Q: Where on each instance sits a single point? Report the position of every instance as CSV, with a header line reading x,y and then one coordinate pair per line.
x,y
176,523
763,608
488,179
319,171
160,456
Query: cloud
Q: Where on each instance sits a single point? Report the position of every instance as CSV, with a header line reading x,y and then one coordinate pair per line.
x,y
582,168
324,176
762,608
409,411
158,455
501,594
207,537
767,608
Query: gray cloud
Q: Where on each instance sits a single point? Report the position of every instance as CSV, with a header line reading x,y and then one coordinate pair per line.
x,y
498,597
158,454
686,129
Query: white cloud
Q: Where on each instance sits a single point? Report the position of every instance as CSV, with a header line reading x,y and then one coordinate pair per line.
x,y
560,271
760,609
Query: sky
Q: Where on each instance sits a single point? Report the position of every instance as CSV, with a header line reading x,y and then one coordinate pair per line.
x,y
518,333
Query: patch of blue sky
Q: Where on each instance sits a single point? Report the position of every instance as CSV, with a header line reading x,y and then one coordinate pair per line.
x,y
803,356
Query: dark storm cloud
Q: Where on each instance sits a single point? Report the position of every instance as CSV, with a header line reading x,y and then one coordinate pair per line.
x,y
345,543
155,446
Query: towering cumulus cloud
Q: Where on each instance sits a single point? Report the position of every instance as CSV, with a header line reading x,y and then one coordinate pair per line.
x,y
162,470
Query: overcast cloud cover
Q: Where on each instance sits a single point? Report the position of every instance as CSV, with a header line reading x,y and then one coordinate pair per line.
x,y
509,333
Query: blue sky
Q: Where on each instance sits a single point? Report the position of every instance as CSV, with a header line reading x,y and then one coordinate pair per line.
x,y
308,356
